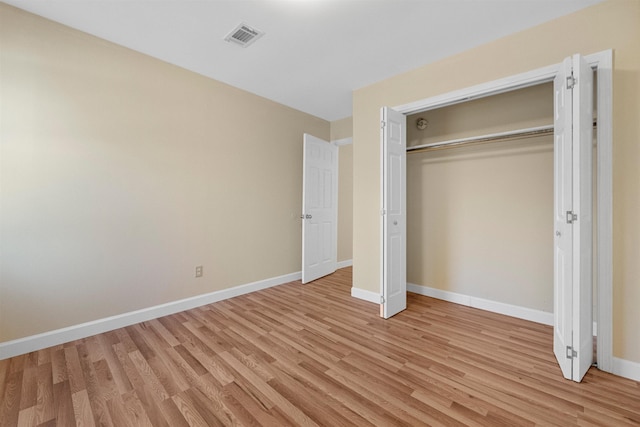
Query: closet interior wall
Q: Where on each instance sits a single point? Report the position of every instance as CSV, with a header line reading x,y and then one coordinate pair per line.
x,y
480,217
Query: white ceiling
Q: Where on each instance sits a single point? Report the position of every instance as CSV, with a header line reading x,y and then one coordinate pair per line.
x,y
314,52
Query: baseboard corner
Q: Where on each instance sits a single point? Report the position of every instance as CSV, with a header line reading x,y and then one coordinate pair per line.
x,y
363,294
345,263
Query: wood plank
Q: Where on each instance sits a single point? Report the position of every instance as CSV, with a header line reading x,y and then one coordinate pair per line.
x,y
63,402
189,411
172,414
82,409
134,410
118,412
94,391
148,376
10,403
58,366
28,396
290,410
119,377
45,407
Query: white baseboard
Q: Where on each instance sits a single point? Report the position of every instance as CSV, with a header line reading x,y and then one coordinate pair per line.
x,y
345,263
365,295
83,330
626,368
530,314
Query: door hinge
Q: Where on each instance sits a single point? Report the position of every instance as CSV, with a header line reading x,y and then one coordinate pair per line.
x,y
381,299
383,212
571,81
382,124
571,353
571,217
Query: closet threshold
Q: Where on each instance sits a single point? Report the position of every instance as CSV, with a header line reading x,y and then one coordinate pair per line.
x,y
491,137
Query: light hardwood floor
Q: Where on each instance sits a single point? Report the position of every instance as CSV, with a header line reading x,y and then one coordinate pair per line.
x,y
312,355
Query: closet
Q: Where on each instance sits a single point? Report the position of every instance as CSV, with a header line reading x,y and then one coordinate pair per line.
x,y
480,209
489,206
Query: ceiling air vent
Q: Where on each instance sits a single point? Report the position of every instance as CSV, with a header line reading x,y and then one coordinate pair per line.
x,y
244,35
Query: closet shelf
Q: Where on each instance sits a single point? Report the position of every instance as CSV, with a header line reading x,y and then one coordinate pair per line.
x,y
491,137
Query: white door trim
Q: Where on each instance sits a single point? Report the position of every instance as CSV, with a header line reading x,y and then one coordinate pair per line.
x,y
602,62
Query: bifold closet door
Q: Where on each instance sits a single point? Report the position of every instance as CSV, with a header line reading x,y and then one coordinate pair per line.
x,y
393,212
319,208
573,121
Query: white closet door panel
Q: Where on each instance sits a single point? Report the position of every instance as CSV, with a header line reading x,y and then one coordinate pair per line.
x,y
583,227
563,203
394,227
573,218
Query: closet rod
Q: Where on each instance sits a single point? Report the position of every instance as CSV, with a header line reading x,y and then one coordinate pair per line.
x,y
520,133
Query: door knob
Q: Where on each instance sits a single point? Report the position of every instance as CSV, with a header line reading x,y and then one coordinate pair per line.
x,y
308,216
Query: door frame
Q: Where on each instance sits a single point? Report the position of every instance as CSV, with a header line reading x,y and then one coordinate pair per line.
x,y
602,62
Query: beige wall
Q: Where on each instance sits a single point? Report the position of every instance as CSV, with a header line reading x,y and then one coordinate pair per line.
x,y
121,173
341,129
613,24
480,218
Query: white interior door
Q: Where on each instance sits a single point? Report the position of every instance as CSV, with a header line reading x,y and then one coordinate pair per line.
x,y
394,212
319,208
573,336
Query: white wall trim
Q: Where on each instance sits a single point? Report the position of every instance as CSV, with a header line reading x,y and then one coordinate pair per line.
x,y
83,330
626,368
345,263
525,313
343,141
365,295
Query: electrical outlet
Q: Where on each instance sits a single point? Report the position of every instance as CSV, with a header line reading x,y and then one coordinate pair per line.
x,y
199,271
